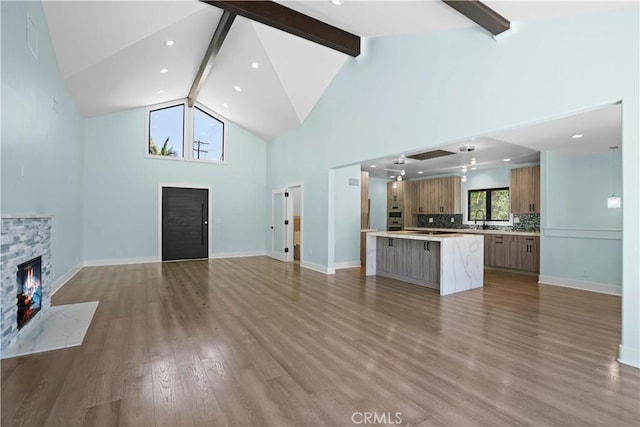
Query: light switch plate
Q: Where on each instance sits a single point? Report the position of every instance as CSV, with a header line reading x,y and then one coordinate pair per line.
x,y
453,219
430,219
516,220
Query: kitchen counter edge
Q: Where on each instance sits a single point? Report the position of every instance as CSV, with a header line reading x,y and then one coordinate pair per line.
x,y
472,231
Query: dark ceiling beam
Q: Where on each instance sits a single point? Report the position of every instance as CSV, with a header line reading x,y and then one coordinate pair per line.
x,y
278,16
481,14
210,55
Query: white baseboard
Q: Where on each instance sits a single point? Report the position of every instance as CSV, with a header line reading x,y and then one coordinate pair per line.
x,y
150,260
603,288
62,280
347,264
121,261
317,267
629,356
237,254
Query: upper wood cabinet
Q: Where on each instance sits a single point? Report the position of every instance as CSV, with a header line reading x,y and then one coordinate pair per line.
x,y
436,196
410,197
525,190
395,196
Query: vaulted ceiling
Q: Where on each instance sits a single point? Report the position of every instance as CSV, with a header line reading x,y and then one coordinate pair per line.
x,y
110,53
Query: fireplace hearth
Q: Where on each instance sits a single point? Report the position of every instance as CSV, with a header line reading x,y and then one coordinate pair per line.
x,y
29,290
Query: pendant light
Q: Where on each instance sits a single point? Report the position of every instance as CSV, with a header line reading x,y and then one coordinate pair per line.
x,y
613,201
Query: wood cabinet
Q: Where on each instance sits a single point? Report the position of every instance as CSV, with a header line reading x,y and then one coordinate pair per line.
x,y
364,192
415,261
449,195
525,253
513,252
390,255
496,250
364,199
410,198
437,196
395,196
423,261
525,190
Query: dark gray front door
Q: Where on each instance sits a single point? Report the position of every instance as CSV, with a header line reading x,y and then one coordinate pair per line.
x,y
185,228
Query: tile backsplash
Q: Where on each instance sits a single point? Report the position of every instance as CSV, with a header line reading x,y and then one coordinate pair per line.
x,y
440,221
528,222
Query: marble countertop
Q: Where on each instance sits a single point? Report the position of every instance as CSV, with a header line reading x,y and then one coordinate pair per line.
x,y
417,236
20,216
472,231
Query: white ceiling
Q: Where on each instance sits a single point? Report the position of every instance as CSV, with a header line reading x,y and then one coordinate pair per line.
x,y
601,128
110,52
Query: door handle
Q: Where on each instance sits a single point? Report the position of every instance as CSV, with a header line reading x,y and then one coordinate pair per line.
x,y
390,242
202,222
424,245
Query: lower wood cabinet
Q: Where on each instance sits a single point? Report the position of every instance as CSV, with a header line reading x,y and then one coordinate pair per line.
x,y
415,261
514,252
423,260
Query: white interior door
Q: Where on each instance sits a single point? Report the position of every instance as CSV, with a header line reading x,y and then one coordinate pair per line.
x,y
281,225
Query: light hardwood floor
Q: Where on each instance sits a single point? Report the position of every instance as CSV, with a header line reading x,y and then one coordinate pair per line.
x,y
252,341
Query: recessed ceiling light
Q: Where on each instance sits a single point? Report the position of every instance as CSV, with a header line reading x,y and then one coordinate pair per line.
x,y
255,65
336,2
464,178
164,70
464,169
372,166
473,160
474,168
577,136
420,172
169,43
160,91
392,176
225,105
402,172
507,160
238,88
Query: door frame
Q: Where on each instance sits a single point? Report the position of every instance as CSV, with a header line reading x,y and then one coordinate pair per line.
x,y
286,229
301,186
288,242
159,218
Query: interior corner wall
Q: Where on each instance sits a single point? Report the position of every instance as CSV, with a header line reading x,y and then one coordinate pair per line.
x,y
121,191
581,238
378,206
413,92
347,215
42,135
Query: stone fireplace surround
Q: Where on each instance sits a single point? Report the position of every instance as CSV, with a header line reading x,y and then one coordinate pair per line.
x,y
24,237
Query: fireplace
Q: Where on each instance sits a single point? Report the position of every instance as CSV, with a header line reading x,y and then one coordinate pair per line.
x,y
29,290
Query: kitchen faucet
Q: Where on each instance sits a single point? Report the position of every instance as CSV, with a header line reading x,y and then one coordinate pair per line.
x,y
484,219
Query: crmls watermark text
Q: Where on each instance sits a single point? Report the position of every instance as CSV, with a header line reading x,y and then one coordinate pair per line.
x,y
376,418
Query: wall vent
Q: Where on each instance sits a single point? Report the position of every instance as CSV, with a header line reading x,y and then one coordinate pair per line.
x,y
430,154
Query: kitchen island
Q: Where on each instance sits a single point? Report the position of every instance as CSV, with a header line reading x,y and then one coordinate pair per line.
x,y
449,262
